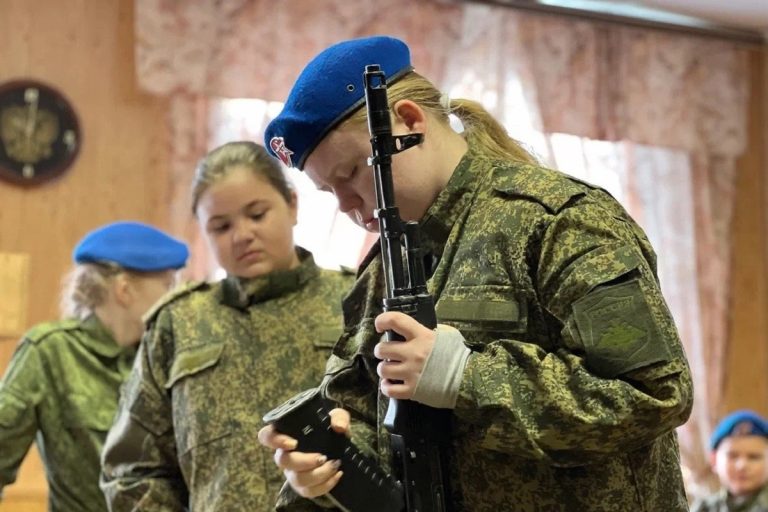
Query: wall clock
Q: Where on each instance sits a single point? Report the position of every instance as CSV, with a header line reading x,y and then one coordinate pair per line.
x,y
39,132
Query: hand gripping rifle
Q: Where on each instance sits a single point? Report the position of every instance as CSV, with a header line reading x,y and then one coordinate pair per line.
x,y
419,435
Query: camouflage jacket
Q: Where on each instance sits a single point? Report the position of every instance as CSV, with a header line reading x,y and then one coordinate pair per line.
x,y
723,502
577,377
214,360
61,390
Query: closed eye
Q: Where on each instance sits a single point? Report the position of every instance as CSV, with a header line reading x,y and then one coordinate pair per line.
x,y
218,228
336,180
351,174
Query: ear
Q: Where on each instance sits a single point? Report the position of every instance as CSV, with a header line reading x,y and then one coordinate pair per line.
x,y
712,459
293,207
121,287
411,115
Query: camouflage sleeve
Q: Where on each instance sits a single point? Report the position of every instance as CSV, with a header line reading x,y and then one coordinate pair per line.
x,y
616,379
139,462
20,391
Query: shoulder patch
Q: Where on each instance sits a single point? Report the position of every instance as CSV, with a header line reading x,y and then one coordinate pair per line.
x,y
552,189
173,295
617,328
40,331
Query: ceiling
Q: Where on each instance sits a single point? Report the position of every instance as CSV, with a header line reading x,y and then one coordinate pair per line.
x,y
746,14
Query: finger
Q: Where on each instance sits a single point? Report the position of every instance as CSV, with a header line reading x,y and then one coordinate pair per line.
x,y
340,420
271,438
315,483
299,461
316,476
416,351
387,350
402,351
400,323
328,485
396,389
394,371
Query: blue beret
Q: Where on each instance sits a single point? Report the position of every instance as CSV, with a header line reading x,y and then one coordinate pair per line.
x,y
739,423
328,91
131,245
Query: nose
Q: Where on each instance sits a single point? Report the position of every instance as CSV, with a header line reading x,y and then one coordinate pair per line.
x,y
347,198
740,463
242,232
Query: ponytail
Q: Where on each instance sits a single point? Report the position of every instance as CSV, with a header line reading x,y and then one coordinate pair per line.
x,y
484,134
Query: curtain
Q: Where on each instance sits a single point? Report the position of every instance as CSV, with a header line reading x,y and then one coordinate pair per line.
x,y
188,119
673,106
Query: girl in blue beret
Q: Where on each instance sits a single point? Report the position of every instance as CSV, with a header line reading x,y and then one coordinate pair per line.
x,y
555,352
218,355
61,387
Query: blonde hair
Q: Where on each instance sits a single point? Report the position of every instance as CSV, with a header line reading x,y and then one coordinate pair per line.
x,y
483,132
85,288
218,163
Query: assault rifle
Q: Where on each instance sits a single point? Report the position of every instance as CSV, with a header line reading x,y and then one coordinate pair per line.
x,y
419,435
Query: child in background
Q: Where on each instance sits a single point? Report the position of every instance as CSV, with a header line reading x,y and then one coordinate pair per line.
x,y
739,457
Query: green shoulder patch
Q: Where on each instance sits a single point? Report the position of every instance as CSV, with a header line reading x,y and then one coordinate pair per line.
x,y
40,331
545,186
175,294
618,331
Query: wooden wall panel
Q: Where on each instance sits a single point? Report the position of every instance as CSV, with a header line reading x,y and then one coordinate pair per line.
x,y
746,379
84,48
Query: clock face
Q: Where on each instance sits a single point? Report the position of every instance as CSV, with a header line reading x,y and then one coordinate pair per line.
x,y
39,132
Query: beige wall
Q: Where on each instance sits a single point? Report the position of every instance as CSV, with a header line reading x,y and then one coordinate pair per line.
x,y
84,48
